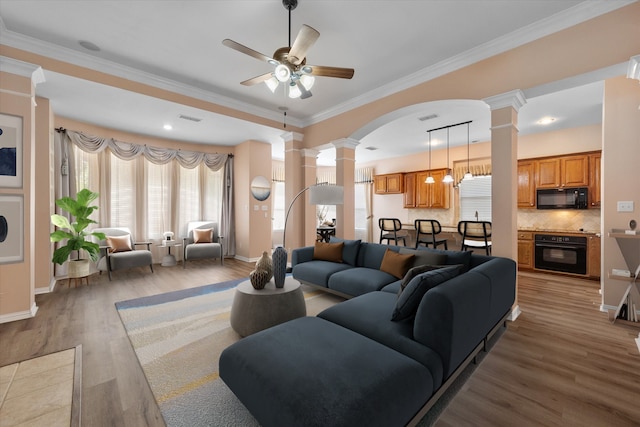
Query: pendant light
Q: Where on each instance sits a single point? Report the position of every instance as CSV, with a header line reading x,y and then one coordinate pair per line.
x,y
448,179
429,179
468,176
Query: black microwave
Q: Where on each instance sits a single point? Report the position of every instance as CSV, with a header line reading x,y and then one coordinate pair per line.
x,y
562,198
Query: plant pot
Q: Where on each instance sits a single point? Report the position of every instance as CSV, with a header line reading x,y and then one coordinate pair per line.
x,y
78,268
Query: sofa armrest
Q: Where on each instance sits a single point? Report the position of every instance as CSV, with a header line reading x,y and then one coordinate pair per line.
x,y
148,244
300,255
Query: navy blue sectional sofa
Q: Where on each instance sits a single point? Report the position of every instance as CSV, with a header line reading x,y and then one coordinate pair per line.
x,y
353,365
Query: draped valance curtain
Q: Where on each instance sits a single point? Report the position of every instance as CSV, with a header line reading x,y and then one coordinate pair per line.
x,y
148,189
158,156
478,167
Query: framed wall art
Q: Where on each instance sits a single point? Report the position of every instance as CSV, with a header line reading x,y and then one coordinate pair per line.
x,y
11,228
10,151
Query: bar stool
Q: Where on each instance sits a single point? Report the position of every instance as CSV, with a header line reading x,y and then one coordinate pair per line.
x,y
391,229
426,231
475,235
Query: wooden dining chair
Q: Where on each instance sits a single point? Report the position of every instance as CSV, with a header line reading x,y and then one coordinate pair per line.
x,y
427,231
475,235
391,229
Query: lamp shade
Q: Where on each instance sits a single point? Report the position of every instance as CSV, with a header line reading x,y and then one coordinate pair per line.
x,y
326,195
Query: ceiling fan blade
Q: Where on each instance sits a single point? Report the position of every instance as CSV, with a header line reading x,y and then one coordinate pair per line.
x,y
304,93
304,40
341,73
247,51
257,80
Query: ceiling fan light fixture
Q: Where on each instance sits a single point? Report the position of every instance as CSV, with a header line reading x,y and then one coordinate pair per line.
x,y
272,84
282,73
307,69
307,81
294,92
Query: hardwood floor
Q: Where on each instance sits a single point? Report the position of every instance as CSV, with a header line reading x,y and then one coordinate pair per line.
x,y
560,363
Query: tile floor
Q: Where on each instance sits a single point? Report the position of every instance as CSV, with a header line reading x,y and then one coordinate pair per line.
x,y
38,392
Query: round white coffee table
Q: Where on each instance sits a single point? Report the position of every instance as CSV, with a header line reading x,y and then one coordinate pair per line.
x,y
256,309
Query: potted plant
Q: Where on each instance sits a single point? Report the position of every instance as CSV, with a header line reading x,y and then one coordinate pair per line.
x,y
75,232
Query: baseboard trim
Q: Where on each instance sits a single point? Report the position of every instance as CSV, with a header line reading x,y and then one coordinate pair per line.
x,y
19,315
46,290
638,342
241,258
515,312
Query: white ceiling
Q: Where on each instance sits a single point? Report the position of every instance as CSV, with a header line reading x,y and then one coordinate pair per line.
x,y
392,45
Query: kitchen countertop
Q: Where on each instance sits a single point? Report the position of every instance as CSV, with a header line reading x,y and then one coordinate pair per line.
x,y
551,231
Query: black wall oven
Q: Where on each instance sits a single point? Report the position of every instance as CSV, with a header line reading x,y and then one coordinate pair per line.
x,y
567,254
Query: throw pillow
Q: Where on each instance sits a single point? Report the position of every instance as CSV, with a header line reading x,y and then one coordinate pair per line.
x,y
350,251
425,257
453,257
396,264
409,300
413,272
328,251
119,243
202,235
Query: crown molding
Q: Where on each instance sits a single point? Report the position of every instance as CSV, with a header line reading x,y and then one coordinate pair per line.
x,y
514,99
21,68
580,13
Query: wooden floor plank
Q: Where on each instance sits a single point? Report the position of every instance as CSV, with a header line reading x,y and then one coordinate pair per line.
x,y
560,363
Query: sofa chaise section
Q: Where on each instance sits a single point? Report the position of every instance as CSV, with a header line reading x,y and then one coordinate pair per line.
x,y
311,372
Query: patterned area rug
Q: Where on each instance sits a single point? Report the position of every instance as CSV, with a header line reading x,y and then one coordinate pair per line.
x,y
178,338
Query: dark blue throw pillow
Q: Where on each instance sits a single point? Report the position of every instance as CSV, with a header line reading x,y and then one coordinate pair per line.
x,y
410,298
350,250
453,257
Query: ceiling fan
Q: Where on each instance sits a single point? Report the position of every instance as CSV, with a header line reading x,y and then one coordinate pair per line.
x,y
290,62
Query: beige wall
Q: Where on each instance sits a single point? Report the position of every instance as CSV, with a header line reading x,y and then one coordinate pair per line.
x,y
17,294
621,177
253,217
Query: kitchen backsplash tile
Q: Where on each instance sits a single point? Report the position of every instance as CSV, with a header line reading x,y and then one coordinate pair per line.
x,y
568,220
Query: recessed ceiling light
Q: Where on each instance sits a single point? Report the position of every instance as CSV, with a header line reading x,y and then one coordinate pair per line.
x,y
546,120
89,46
167,127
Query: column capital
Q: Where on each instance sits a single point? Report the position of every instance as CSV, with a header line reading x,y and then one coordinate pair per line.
x,y
291,136
633,71
346,143
514,99
309,152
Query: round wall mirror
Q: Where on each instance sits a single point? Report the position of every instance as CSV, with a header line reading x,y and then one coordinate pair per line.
x,y
260,188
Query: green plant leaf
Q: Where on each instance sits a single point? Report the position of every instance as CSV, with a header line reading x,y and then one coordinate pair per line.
x,y
60,255
61,222
59,235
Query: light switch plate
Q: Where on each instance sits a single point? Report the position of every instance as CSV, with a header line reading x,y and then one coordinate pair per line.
x,y
625,206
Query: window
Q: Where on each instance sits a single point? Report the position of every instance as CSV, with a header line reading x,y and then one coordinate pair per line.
x,y
147,198
475,199
361,206
278,205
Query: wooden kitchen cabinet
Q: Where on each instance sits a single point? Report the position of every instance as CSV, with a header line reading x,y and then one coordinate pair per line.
x,y
595,179
410,189
564,171
392,183
525,250
593,257
526,184
418,194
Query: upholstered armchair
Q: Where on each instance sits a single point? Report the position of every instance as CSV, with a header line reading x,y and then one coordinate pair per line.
x,y
120,252
203,241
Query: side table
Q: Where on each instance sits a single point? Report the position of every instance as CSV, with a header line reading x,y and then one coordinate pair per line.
x,y
169,259
256,309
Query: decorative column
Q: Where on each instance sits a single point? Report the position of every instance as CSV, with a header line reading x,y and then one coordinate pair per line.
x,y
504,177
309,172
345,176
293,183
